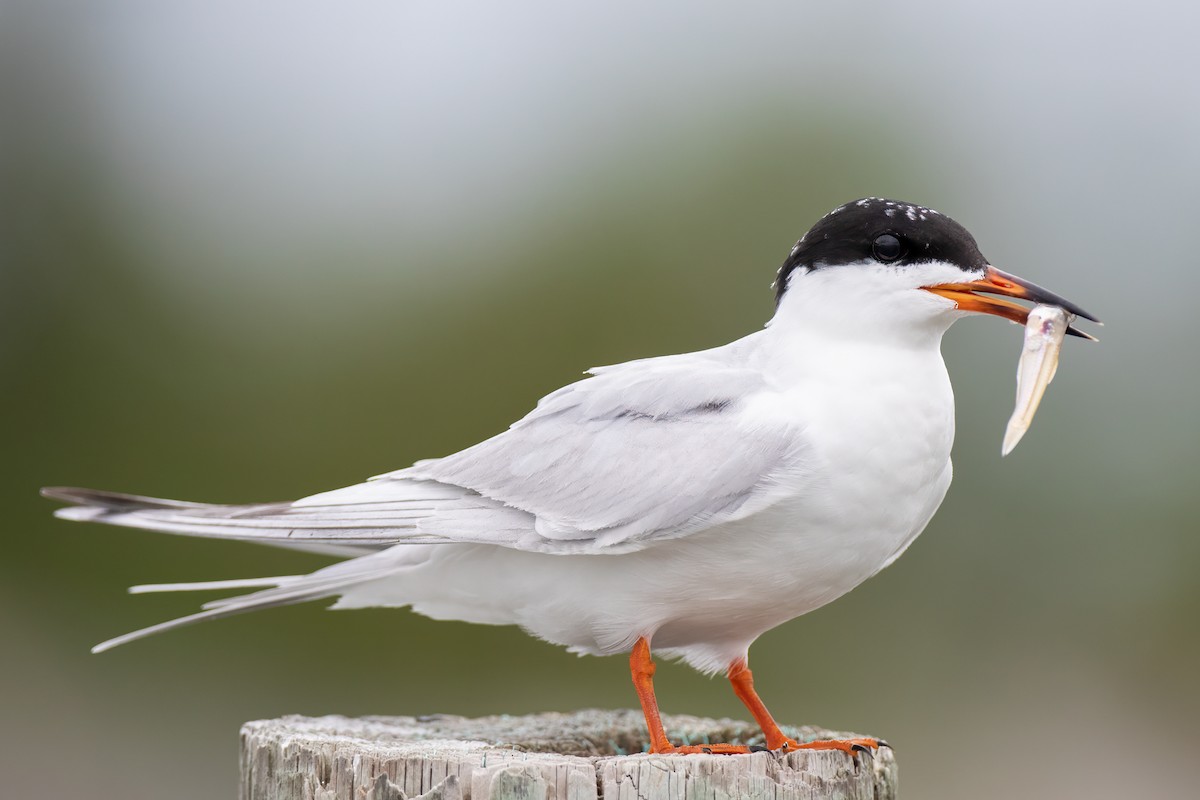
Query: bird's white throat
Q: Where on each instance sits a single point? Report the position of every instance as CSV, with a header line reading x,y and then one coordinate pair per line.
x,y
868,303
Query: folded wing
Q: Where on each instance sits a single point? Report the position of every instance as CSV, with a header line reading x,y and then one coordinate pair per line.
x,y
642,451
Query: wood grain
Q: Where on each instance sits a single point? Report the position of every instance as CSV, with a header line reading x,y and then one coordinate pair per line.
x,y
582,756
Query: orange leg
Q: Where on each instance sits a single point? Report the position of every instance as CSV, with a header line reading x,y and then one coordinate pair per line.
x,y
743,686
642,670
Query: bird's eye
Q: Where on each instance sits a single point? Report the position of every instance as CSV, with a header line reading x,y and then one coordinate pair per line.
x,y
887,247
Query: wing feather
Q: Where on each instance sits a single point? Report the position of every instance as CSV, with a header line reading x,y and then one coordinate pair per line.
x,y
638,452
644,450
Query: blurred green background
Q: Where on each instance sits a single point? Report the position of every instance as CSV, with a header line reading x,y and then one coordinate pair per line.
x,y
255,251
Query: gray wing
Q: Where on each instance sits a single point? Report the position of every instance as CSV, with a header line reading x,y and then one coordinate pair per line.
x,y
643,450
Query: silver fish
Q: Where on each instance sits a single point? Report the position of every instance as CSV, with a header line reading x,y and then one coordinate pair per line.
x,y
1044,333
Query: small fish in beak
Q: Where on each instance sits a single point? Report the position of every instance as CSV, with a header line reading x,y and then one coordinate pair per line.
x,y
1046,325
1045,329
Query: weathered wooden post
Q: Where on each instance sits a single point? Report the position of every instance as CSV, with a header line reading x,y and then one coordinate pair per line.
x,y
583,756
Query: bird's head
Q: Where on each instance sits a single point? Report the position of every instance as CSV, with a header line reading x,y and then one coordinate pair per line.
x,y
880,267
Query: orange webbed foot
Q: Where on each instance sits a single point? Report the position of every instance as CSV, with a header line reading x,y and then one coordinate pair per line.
x,y
851,747
708,749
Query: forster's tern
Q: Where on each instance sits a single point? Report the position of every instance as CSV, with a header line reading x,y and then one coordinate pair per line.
x,y
690,501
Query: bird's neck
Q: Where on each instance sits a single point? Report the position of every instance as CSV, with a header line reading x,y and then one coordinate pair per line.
x,y
815,338
872,404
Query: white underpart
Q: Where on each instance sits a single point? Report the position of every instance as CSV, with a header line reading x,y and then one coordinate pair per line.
x,y
698,499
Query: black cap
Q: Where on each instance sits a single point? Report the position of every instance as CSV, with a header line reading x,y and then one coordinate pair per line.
x,y
884,231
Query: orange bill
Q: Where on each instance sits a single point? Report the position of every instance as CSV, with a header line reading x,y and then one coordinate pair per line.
x,y
972,296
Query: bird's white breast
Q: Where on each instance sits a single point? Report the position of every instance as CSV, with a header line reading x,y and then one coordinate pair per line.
x,y
877,426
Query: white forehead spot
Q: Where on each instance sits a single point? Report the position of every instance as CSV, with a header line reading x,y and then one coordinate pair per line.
x,y
912,212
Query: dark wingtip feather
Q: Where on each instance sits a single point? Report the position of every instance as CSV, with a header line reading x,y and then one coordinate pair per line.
x,y
66,494
113,501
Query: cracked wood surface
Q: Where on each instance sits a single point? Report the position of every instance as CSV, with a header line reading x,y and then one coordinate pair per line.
x,y
587,755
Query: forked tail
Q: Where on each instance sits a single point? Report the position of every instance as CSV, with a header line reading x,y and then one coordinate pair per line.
x,y
353,531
